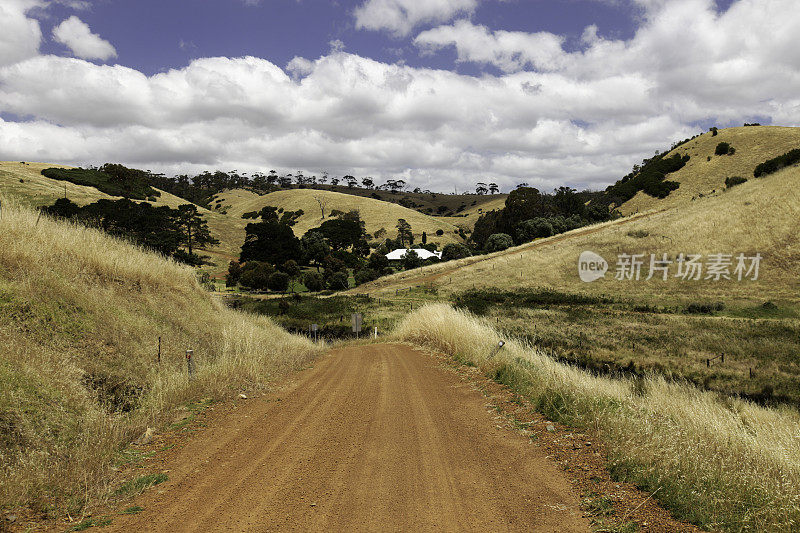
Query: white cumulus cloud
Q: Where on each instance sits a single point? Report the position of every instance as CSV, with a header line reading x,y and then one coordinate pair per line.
x,y
548,116
20,36
401,16
76,35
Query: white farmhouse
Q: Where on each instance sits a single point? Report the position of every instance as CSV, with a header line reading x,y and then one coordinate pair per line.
x,y
423,254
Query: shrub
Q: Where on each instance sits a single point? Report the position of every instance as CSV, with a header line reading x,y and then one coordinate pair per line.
x,y
411,260
313,281
365,275
722,149
278,282
338,281
498,242
455,250
734,180
534,228
439,232
775,164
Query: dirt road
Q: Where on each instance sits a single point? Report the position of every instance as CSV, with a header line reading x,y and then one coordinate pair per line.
x,y
372,438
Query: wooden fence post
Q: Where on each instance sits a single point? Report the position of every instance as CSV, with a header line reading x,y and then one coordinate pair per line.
x,y
190,363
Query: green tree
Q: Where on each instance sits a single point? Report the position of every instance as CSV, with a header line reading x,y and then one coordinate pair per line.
x,y
365,275
234,274
534,228
255,275
313,281
404,232
195,229
272,240
455,250
499,242
315,248
378,262
279,282
345,232
338,281
411,260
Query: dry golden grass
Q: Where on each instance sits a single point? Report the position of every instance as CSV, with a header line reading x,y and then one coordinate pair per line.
x,y
37,190
474,213
760,216
376,213
754,145
80,318
724,464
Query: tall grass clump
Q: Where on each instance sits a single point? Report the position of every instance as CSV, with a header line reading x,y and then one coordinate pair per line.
x,y
80,318
721,463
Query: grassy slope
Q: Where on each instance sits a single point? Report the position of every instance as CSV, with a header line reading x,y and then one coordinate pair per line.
x,y
376,213
37,190
762,216
754,145
80,318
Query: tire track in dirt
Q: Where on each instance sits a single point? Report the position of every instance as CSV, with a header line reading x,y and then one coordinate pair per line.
x,y
375,437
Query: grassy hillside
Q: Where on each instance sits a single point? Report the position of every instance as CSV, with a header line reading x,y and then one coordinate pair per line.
x,y
431,203
377,214
753,144
762,215
25,183
671,327
80,319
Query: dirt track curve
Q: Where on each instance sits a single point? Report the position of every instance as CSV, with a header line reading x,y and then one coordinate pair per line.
x,y
372,438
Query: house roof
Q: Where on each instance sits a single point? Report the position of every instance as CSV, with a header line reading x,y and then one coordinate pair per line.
x,y
400,253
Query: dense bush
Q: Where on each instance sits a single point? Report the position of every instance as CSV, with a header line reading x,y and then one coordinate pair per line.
x,y
278,282
338,281
649,178
455,250
255,275
115,180
534,228
734,180
775,164
498,242
313,281
723,148
365,275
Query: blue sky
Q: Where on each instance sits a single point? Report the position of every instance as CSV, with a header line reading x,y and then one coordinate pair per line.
x,y
441,93
155,35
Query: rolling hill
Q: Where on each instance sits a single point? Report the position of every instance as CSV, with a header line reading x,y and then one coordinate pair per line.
x,y
760,216
25,182
376,213
703,177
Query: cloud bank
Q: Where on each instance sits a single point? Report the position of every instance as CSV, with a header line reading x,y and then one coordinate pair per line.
x,y
546,116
